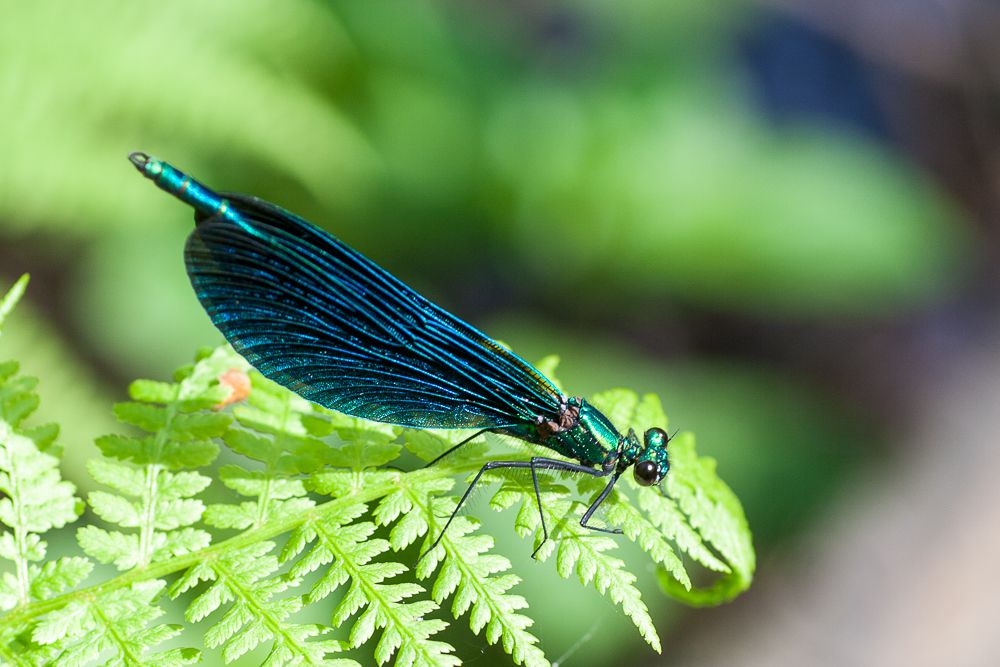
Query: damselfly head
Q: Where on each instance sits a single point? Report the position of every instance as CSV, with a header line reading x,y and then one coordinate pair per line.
x,y
652,465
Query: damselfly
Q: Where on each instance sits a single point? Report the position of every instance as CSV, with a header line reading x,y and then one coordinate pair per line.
x,y
318,317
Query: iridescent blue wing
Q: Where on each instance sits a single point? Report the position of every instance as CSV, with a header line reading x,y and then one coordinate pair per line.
x,y
318,317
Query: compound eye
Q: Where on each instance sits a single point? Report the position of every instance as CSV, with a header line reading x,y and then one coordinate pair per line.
x,y
646,473
656,437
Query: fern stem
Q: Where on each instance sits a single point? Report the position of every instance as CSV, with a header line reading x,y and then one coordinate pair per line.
x,y
152,474
23,582
149,516
262,501
122,644
20,532
260,611
22,615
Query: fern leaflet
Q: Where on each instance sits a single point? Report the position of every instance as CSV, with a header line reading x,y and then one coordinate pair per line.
x,y
36,499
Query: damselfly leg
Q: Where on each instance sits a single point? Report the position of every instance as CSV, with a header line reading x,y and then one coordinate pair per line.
x,y
535,464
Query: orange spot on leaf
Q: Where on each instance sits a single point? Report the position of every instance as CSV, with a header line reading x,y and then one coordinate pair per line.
x,y
239,387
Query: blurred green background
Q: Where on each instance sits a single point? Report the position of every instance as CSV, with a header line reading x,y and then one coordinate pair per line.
x,y
747,208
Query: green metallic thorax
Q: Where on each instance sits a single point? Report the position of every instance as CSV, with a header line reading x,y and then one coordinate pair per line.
x,y
592,440
589,438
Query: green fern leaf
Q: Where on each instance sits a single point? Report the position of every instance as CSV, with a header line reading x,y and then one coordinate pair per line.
x,y
664,514
474,577
636,526
350,550
152,493
587,554
36,501
285,430
246,578
276,496
58,576
716,514
397,507
282,434
117,623
19,650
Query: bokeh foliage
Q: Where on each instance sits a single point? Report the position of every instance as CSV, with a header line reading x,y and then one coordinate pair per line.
x,y
427,131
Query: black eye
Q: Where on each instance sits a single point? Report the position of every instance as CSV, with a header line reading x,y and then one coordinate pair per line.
x,y
646,473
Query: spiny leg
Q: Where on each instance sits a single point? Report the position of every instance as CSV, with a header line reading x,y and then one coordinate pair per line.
x,y
492,465
554,464
454,447
534,464
597,503
538,501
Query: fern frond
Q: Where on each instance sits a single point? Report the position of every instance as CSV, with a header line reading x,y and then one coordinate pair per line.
x,y
636,526
475,578
295,453
716,516
281,430
117,623
12,296
351,552
288,429
668,521
284,432
587,554
247,578
275,496
152,492
36,499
